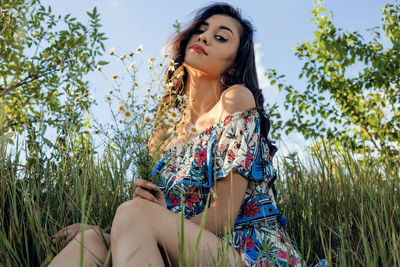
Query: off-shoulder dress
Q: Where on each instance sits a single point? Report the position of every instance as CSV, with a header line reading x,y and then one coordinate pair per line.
x,y
189,171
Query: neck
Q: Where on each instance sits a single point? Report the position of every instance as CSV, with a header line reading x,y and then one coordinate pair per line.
x,y
202,92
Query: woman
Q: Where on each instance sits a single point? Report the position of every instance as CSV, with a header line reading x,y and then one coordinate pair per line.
x,y
229,163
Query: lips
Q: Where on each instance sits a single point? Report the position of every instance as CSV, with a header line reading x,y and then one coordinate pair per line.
x,y
197,48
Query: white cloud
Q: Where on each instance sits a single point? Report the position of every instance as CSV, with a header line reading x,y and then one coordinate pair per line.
x,y
294,142
263,81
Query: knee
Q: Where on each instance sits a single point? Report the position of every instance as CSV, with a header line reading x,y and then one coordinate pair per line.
x,y
93,237
94,254
129,214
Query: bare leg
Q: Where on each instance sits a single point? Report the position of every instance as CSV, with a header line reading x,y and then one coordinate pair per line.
x,y
158,226
94,253
142,250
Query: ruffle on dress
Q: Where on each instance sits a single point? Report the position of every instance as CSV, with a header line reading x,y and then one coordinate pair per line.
x,y
190,170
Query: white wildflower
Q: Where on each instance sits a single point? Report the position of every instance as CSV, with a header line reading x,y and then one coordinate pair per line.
x,y
84,96
87,96
121,109
127,115
180,75
192,130
140,48
174,114
182,98
112,51
132,65
171,65
169,121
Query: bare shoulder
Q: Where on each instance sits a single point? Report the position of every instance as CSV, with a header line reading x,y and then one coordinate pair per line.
x,y
237,98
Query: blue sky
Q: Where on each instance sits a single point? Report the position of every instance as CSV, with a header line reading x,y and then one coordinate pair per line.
x,y
279,25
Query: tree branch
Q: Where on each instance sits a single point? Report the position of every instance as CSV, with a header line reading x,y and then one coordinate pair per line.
x,y
31,77
371,138
27,80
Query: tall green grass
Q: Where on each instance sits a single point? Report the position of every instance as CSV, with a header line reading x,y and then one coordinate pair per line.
x,y
340,208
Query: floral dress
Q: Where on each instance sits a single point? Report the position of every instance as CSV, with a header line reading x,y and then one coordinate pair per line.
x,y
190,170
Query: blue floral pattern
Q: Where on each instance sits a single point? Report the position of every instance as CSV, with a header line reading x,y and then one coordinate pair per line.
x,y
189,171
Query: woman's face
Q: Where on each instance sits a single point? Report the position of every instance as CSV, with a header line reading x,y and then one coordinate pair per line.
x,y
212,48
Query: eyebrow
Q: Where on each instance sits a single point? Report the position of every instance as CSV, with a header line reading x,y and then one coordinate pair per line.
x,y
220,27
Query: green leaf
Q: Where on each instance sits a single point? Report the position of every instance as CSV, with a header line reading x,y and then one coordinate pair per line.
x,y
102,63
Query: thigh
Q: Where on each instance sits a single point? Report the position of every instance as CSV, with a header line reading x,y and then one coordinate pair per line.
x,y
166,228
96,248
210,249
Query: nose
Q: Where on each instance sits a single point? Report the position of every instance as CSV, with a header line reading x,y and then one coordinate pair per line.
x,y
203,38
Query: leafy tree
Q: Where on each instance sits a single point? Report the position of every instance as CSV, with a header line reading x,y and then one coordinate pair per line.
x,y
43,62
360,110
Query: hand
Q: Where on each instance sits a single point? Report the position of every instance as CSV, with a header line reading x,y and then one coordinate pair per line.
x,y
71,231
142,191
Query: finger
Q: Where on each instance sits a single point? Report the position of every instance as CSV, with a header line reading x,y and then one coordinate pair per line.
x,y
139,182
71,236
60,233
143,193
159,194
144,183
66,230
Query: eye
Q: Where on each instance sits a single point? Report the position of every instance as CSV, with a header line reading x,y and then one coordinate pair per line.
x,y
198,31
220,38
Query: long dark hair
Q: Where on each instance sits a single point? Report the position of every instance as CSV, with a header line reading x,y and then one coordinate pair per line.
x,y
243,70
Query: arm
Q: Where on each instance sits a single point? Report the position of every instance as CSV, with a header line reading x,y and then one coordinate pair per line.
x,y
225,207
229,190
